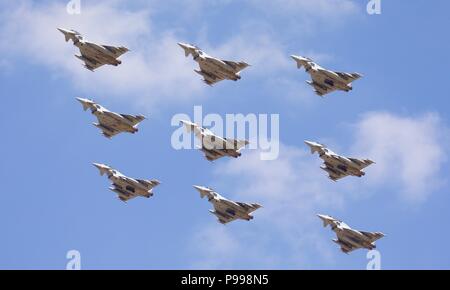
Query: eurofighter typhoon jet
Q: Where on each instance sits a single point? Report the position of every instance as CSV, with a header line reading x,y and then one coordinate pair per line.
x,y
326,81
215,147
349,239
109,122
212,69
94,55
226,210
338,166
127,188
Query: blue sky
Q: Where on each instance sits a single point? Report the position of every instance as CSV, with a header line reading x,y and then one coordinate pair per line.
x,y
53,200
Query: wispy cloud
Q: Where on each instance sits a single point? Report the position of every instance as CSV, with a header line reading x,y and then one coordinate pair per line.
x,y
410,152
155,71
291,193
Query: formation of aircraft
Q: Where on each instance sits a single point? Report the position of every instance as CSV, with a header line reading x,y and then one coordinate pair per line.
x,y
338,166
350,239
227,210
213,146
109,122
94,55
126,187
326,81
214,70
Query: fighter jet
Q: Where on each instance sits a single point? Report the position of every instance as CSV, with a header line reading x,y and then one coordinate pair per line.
x,y
94,55
215,147
127,188
349,239
109,122
212,69
338,166
226,210
326,81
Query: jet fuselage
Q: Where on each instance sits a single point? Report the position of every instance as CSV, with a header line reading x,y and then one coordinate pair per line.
x,y
340,163
116,121
125,186
216,67
96,52
230,208
328,79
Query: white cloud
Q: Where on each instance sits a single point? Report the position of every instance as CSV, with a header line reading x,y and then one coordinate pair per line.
x,y
155,68
155,71
259,50
410,152
291,193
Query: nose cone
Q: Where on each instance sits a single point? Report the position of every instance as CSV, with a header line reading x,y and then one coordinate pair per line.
x,y
99,166
311,144
294,57
187,123
82,101
325,217
183,45
200,188
322,217
62,30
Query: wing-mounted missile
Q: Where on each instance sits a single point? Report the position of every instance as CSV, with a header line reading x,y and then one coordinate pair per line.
x,y
250,207
102,168
210,155
344,247
349,76
222,217
205,75
362,163
237,145
87,62
134,119
149,183
208,78
329,170
122,195
108,133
